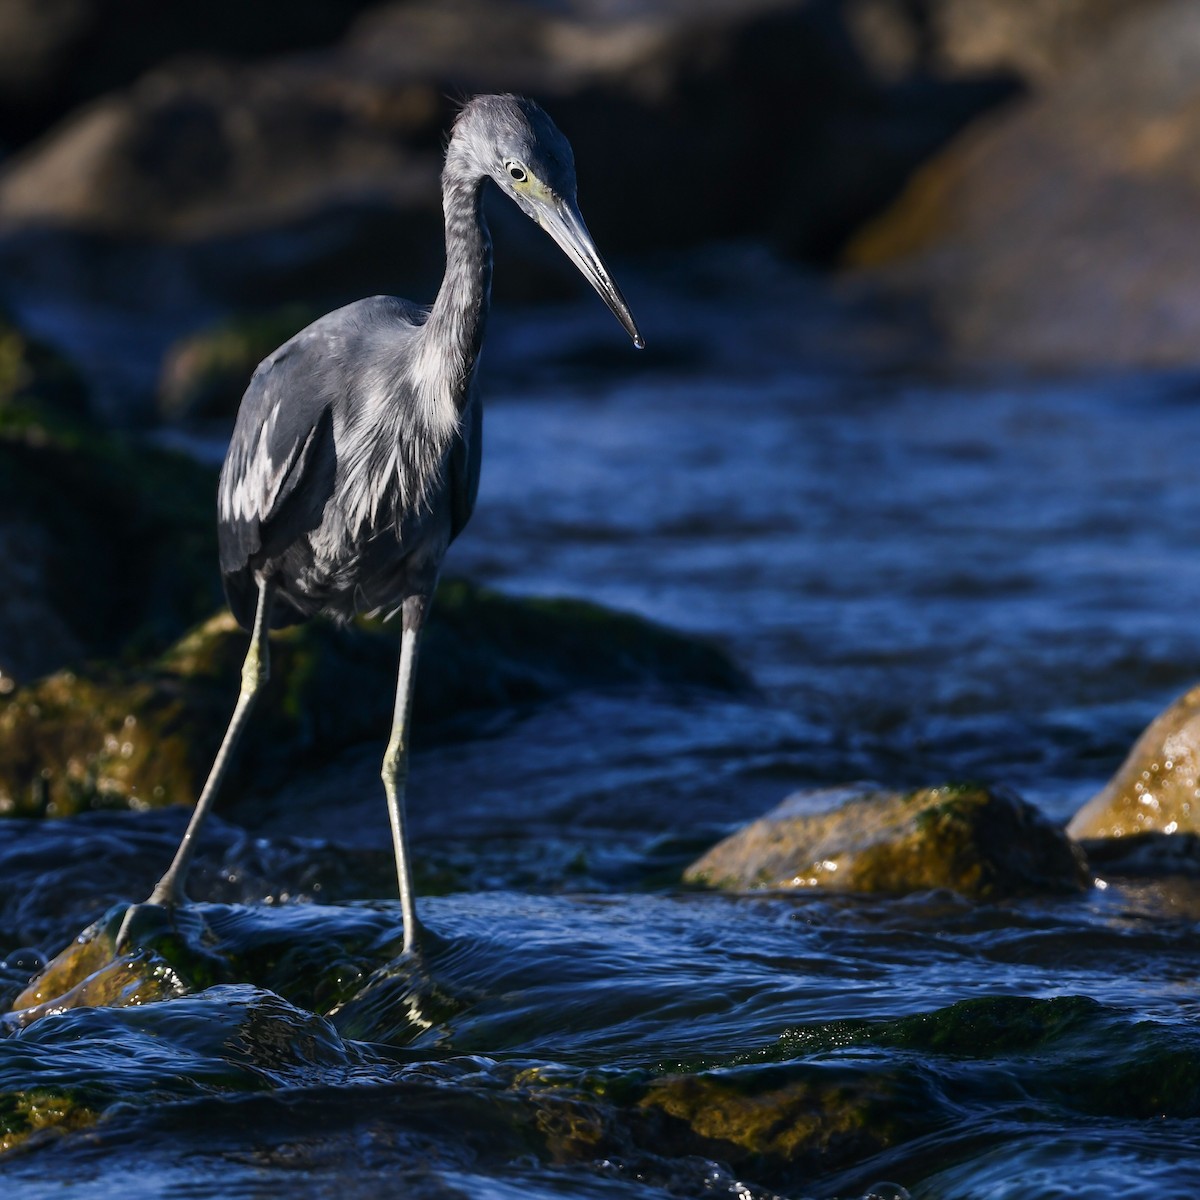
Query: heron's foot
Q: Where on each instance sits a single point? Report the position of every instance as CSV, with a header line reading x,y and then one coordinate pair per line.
x,y
404,999
420,944
143,924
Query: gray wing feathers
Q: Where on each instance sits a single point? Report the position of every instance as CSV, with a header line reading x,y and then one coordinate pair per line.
x,y
281,441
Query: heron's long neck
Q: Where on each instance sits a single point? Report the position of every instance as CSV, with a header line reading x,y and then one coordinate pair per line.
x,y
453,335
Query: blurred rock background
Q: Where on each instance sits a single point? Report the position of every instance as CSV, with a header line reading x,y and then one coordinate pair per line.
x,y
1013,177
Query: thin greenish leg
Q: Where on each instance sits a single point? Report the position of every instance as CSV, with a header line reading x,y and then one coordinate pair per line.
x,y
255,672
395,764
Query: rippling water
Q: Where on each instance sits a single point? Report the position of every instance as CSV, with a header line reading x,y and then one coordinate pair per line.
x,y
930,579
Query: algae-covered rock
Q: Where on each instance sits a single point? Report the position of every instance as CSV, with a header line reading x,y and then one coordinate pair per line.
x,y
166,956
129,736
495,649
781,1123
1157,788
23,1114
980,842
777,1123
316,958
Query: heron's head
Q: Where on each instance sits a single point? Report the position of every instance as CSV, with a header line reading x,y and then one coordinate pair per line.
x,y
514,143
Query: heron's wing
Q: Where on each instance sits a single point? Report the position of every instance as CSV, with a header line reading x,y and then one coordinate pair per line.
x,y
466,456
279,471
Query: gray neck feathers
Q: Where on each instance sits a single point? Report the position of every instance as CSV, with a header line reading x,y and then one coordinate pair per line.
x,y
452,337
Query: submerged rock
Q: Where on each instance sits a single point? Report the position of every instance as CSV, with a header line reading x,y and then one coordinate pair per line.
x,y
24,1114
778,1124
144,736
784,1123
1157,788
313,957
983,843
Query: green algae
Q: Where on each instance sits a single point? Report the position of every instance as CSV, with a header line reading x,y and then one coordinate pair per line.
x,y
778,1123
316,959
24,1114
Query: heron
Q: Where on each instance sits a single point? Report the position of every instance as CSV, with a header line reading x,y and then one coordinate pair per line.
x,y
355,455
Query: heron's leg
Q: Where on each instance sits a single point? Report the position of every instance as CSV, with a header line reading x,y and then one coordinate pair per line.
x,y
395,762
255,672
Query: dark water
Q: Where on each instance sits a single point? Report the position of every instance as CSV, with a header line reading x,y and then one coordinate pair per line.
x,y
930,579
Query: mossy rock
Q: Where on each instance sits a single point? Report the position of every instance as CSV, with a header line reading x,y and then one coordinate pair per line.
x,y
127,736
779,1124
205,373
1157,788
485,648
317,957
983,843
24,1114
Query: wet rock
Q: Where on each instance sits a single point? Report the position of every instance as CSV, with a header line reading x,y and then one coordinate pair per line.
x,y
25,1114
778,1125
1157,788
983,843
176,952
783,1123
317,958
144,736
1050,234
1145,855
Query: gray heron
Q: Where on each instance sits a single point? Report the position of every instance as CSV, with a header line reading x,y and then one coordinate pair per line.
x,y
355,456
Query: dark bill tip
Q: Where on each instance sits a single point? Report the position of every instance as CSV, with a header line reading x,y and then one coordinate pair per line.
x,y
564,223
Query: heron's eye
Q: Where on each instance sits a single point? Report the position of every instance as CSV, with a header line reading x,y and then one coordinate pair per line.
x,y
517,172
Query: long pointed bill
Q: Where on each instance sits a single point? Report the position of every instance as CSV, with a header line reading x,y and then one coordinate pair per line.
x,y
562,220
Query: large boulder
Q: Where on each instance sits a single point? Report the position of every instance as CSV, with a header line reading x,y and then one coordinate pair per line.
x,y
982,843
1052,234
135,736
1157,788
